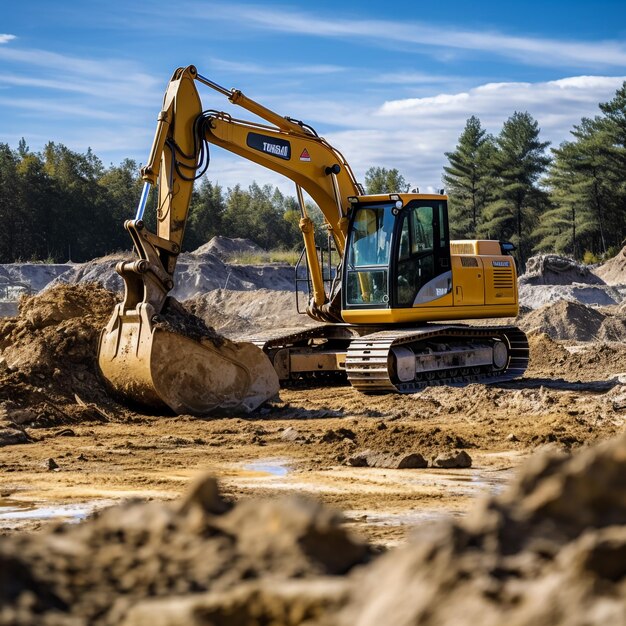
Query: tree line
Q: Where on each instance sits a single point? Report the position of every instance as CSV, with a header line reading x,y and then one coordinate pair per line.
x,y
571,200
58,205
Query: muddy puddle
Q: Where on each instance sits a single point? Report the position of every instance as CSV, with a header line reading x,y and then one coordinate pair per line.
x,y
22,512
274,468
405,499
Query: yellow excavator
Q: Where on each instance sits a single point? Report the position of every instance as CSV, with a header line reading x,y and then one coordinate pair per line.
x,y
398,272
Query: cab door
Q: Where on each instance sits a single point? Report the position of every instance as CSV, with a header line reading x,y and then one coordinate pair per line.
x,y
422,268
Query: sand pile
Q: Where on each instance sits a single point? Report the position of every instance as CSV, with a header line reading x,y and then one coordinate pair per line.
x,y
551,269
536,296
226,248
613,272
550,550
195,274
565,319
550,278
238,313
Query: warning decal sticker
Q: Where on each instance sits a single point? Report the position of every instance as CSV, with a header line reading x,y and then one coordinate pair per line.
x,y
305,156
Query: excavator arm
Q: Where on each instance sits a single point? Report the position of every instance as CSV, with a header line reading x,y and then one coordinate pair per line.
x,y
142,358
290,148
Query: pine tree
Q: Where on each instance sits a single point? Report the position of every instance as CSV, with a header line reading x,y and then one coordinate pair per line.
x,y
518,162
467,179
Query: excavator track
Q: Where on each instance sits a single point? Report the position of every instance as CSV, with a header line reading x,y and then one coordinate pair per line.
x,y
363,355
368,358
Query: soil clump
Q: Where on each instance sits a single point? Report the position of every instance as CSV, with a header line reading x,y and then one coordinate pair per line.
x,y
175,318
94,572
550,550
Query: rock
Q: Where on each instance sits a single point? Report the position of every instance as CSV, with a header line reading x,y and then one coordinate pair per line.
x,y
511,437
368,458
66,432
359,459
10,434
52,465
21,416
290,434
449,460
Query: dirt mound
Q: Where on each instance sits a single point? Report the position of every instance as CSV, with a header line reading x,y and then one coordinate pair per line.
x,y
100,271
195,274
569,320
613,272
565,320
34,275
93,573
226,248
237,313
595,362
49,351
551,269
614,327
551,550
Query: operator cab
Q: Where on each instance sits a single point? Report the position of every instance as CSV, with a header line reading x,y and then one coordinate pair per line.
x,y
398,252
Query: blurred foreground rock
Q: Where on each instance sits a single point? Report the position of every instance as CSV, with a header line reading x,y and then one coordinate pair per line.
x,y
94,572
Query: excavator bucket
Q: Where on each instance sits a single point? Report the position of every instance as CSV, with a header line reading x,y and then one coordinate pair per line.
x,y
147,362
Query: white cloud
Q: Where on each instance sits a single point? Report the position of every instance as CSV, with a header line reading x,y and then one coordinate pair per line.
x,y
410,78
413,134
6,38
106,79
280,69
59,109
427,38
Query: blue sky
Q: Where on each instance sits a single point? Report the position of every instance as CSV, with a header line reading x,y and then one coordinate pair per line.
x,y
390,84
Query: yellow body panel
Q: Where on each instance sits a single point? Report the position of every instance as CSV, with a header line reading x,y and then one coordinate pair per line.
x,y
432,313
483,287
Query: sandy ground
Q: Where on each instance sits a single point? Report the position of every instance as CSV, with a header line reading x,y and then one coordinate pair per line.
x,y
300,445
